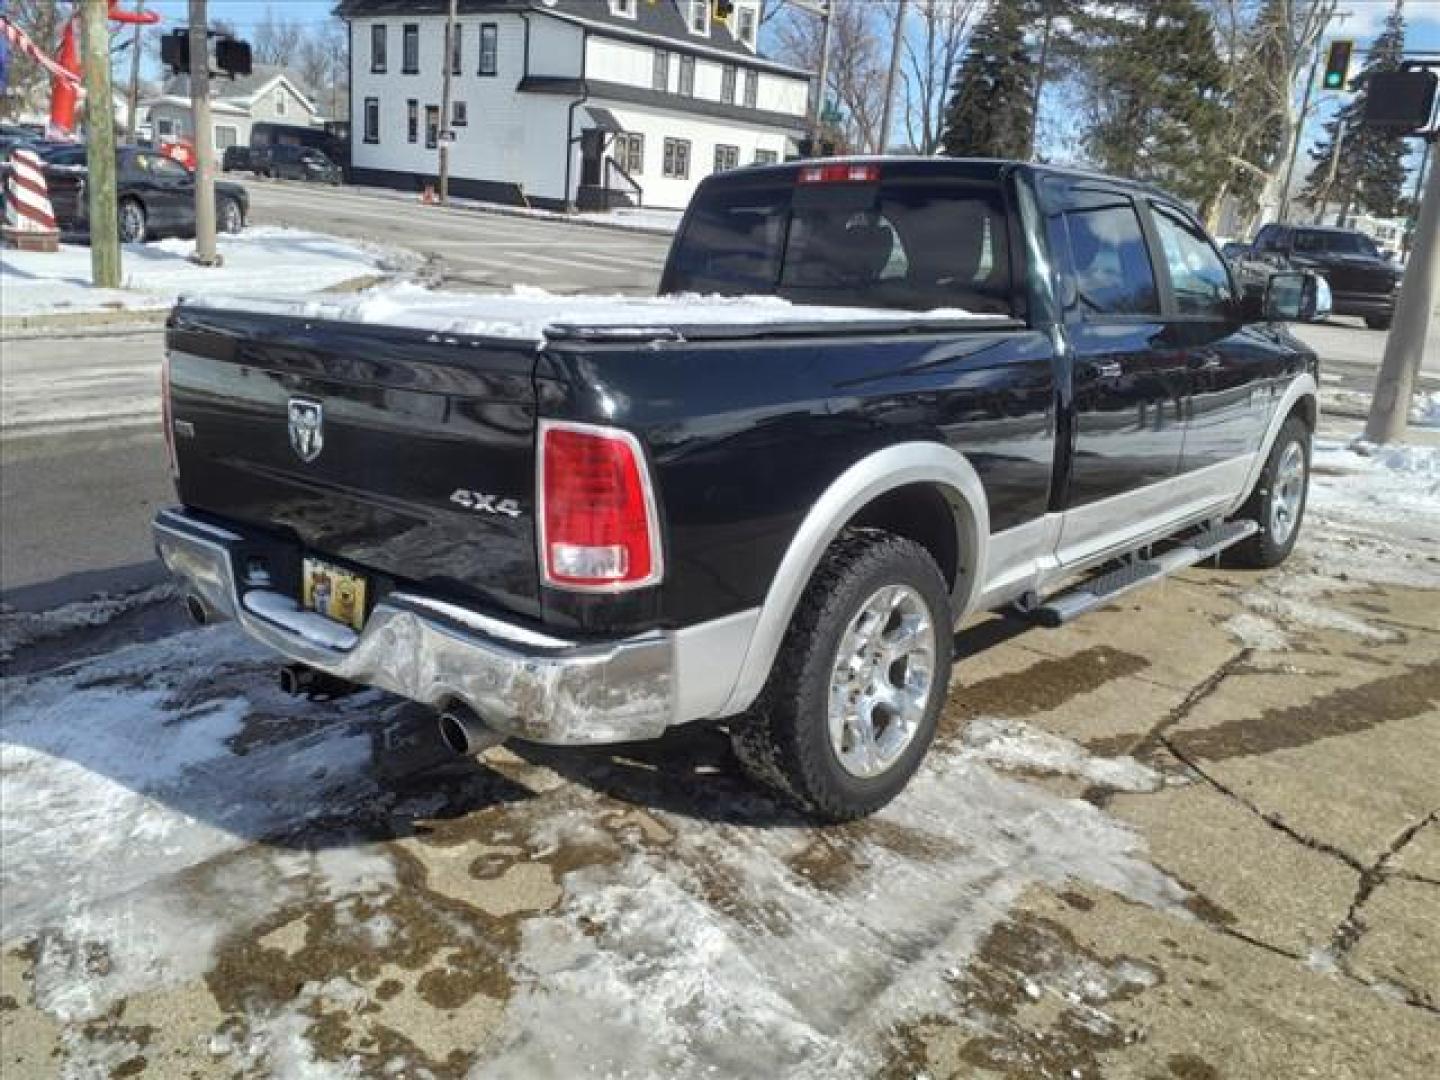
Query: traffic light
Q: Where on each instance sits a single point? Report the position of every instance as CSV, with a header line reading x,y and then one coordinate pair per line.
x,y
1400,101
232,56
175,51
1337,64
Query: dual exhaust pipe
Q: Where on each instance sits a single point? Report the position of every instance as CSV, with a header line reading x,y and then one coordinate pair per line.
x,y
461,729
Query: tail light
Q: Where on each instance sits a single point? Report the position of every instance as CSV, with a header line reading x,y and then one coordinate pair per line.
x,y
167,417
599,531
839,173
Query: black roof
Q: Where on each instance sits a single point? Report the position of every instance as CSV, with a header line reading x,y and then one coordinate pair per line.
x,y
662,19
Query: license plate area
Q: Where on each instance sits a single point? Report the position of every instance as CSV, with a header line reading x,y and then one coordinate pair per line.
x,y
334,592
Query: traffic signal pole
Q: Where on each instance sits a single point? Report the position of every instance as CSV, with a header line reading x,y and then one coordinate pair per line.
x,y
203,136
1405,345
100,145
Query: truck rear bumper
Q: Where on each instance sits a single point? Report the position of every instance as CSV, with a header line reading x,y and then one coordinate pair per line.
x,y
521,683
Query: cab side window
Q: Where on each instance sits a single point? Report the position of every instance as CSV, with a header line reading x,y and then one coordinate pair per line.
x,y
1113,275
1198,276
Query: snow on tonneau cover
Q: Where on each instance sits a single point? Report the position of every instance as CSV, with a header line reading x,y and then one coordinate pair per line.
x,y
395,379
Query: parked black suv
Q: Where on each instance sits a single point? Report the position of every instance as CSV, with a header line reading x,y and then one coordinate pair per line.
x,y
1362,281
282,162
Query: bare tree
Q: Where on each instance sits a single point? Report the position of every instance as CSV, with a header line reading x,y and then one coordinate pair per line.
x,y
277,41
321,65
858,59
933,49
29,83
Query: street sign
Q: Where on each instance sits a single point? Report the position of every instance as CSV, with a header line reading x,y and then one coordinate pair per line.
x,y
1400,101
447,137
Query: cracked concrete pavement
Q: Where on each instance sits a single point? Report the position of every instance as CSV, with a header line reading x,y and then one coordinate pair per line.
x,y
1262,901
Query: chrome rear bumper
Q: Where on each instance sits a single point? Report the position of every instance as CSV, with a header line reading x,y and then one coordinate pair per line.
x,y
521,683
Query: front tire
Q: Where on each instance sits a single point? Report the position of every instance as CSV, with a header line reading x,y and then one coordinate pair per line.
x,y
1278,501
133,226
854,697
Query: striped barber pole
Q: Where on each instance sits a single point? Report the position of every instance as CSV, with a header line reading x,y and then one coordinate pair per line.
x,y
29,217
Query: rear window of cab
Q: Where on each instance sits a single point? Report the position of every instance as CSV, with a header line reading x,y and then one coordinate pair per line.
x,y
908,243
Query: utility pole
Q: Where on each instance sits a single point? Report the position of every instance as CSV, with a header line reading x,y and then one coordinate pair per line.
x,y
445,129
132,103
203,135
100,148
889,111
825,16
1405,345
1331,171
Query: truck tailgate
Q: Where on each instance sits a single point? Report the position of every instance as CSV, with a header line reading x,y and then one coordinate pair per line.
x,y
405,454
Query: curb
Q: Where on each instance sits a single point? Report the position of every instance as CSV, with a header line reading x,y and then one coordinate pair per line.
x,y
127,321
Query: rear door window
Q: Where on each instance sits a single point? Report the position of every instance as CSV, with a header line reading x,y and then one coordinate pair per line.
x,y
1113,275
894,244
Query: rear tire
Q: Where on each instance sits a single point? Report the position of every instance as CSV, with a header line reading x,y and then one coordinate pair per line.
x,y
133,226
852,702
231,218
1278,501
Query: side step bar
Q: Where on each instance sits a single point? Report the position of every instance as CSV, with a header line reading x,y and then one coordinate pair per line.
x,y
1107,587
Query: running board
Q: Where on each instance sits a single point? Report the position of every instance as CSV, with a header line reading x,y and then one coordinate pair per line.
x,y
1106,588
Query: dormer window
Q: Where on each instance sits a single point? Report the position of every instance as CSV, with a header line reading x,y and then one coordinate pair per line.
x,y
624,9
699,20
745,26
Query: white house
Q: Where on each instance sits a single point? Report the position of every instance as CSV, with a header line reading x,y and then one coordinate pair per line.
x,y
567,102
267,94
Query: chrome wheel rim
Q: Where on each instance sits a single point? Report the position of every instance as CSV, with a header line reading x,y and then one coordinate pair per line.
x,y
881,681
132,224
230,218
1289,494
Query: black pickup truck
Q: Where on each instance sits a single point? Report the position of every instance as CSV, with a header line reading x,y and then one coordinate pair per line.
x,y
876,396
1362,282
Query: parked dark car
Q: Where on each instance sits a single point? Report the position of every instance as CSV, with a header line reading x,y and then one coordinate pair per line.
x,y
772,517
156,195
237,159
295,163
1362,281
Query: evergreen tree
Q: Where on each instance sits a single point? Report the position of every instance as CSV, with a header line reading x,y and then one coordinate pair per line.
x,y
1154,84
1370,165
992,104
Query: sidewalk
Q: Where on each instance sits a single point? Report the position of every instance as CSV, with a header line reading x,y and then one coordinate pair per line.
x,y
54,289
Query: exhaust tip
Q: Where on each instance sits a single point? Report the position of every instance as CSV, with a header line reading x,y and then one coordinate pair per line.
x,y
196,609
466,734
292,679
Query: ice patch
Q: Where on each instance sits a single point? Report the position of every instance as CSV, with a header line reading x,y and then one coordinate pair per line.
x,y
1015,745
715,956
1257,632
19,629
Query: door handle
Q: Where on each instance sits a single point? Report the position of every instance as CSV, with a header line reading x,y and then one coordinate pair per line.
x,y
1107,369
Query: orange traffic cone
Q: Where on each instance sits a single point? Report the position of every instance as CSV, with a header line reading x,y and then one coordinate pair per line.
x,y
427,197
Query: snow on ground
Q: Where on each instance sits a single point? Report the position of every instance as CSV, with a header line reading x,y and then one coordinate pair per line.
x,y
527,313
282,262
1424,407
19,629
1016,745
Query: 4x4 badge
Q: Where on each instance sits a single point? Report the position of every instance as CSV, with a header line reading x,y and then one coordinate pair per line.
x,y
307,428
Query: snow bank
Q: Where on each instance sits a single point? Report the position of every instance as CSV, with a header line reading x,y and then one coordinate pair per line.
x,y
21,628
528,314
282,262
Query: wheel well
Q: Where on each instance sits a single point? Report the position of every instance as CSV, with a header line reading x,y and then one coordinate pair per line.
x,y
918,512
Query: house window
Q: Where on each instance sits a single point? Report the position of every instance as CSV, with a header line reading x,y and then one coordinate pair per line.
x,y
766,157
660,72
727,85
280,102
165,128
432,126
745,26
412,121
372,120
630,152
625,9
699,21
410,50
459,114
489,48
377,48
687,76
226,136
456,49
752,89
726,157
677,159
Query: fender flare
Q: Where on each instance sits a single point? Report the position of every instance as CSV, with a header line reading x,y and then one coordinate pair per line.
x,y
1301,387
883,471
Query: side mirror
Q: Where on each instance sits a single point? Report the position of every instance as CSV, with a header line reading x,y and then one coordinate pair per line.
x,y
1297,296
